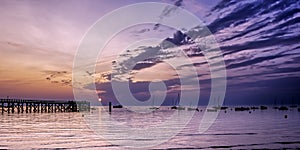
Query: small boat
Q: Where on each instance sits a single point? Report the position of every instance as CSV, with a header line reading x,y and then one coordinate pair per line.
x,y
216,108
211,110
180,108
275,104
241,108
176,104
219,107
224,108
191,109
253,108
153,107
263,107
293,104
283,108
118,106
174,107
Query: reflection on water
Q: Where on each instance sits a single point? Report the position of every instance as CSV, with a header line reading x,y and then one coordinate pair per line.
x,y
260,129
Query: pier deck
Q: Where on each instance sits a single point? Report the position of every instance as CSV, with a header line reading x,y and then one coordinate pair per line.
x,y
42,106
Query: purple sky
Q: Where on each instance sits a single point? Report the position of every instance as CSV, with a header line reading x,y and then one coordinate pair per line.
x,y
259,41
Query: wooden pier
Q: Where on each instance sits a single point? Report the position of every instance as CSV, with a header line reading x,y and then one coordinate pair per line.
x,y
42,106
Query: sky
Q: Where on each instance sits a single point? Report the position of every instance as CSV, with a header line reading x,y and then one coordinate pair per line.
x,y
259,41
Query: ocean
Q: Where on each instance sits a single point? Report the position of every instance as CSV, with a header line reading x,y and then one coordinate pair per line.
x,y
231,130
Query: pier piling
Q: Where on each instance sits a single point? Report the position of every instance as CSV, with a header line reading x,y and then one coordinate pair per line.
x,y
109,109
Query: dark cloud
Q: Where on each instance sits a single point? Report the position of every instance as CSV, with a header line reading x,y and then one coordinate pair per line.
x,y
286,14
143,65
168,10
156,26
251,28
223,4
259,40
178,3
255,45
58,77
193,64
66,81
141,31
140,58
242,12
54,82
239,16
254,61
178,39
165,13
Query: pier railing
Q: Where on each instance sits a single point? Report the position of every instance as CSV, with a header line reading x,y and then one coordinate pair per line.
x,y
42,106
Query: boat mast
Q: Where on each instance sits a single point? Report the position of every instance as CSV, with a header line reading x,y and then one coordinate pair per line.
x,y
178,99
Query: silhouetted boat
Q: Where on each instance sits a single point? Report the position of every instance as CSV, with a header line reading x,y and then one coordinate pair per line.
x,y
215,108
191,109
180,108
263,107
174,107
211,110
118,106
275,104
253,108
241,108
283,108
176,104
224,108
293,104
153,107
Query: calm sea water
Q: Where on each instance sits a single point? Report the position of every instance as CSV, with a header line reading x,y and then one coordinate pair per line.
x,y
235,130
